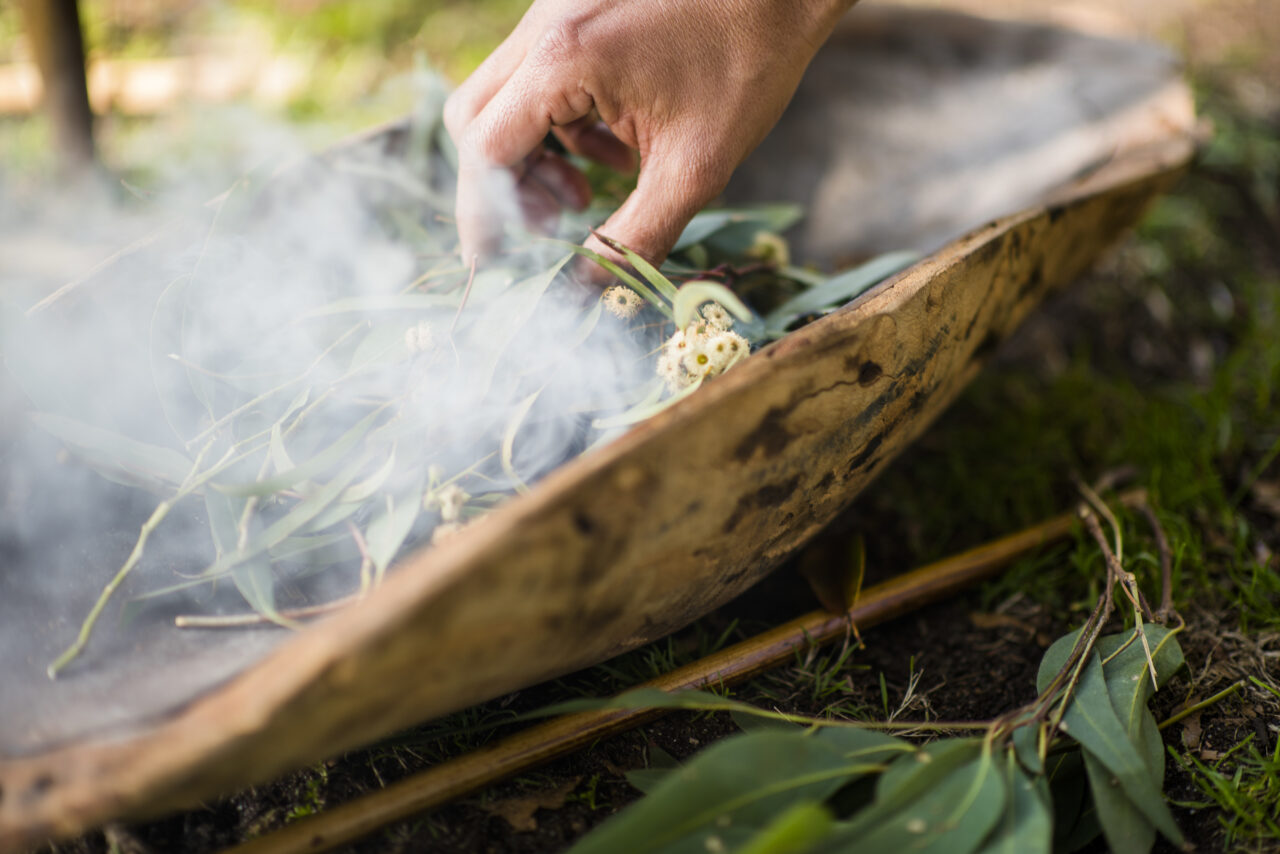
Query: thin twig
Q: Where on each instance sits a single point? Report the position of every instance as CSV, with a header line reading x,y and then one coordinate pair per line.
x,y
466,292
228,621
1166,561
1201,706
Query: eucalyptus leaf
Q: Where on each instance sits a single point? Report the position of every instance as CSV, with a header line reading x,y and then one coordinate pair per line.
x,y
628,279
1091,720
940,806
744,781
770,217
836,291
254,579
660,283
104,449
1067,788
647,409
315,465
297,517
367,488
339,511
297,546
1129,685
384,302
646,780
755,723
384,344
507,318
794,832
509,441
390,526
1026,827
1026,744
693,294
1123,824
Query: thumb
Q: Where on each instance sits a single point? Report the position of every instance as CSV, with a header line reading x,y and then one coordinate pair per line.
x,y
669,191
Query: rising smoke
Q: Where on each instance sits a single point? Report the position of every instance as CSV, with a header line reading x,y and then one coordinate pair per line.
x,y
296,322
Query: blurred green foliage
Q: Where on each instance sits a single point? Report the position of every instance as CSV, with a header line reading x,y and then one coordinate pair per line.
x,y
359,59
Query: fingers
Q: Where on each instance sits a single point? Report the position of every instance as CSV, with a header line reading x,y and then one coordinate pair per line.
x,y
504,133
592,139
670,190
561,178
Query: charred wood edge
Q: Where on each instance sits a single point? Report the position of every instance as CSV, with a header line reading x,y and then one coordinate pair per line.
x,y
558,737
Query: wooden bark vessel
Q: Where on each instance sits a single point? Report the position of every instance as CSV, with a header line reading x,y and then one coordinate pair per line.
x,y
687,510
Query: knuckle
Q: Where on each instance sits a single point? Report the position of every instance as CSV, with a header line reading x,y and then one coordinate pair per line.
x,y
562,41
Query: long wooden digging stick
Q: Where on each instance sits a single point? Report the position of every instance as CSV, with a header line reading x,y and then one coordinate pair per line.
x,y
560,736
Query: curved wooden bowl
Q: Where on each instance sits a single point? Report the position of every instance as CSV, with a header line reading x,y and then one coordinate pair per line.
x,y
676,517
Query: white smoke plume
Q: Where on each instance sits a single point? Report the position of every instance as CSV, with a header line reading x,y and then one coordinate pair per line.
x,y
295,323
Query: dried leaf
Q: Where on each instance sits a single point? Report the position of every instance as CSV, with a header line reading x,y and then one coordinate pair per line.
x,y
518,811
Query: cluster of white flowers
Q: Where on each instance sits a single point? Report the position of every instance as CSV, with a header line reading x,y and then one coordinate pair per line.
x,y
449,499
705,348
621,301
418,338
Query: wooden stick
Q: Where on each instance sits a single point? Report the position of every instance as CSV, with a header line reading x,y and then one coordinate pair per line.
x,y
557,737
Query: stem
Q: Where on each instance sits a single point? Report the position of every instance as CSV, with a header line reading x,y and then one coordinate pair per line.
x,y
157,516
202,621
194,482
1200,707
1165,611
466,292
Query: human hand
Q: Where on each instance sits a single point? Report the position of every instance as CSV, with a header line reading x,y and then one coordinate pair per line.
x,y
692,86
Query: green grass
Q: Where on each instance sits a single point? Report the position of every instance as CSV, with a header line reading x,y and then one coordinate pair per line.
x,y
1243,787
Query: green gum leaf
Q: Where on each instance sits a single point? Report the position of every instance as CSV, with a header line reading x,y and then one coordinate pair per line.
x,y
770,217
391,525
742,783
692,295
651,274
111,452
384,302
1026,827
837,290
509,441
317,464
948,805
1091,720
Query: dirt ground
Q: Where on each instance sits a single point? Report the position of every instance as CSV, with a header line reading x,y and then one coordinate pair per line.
x,y
1151,319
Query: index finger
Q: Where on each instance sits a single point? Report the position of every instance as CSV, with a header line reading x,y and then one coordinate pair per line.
x,y
511,126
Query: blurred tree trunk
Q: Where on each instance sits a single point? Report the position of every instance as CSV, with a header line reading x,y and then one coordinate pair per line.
x,y
56,40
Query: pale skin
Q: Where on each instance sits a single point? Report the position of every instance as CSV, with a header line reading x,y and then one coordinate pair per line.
x,y
683,89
